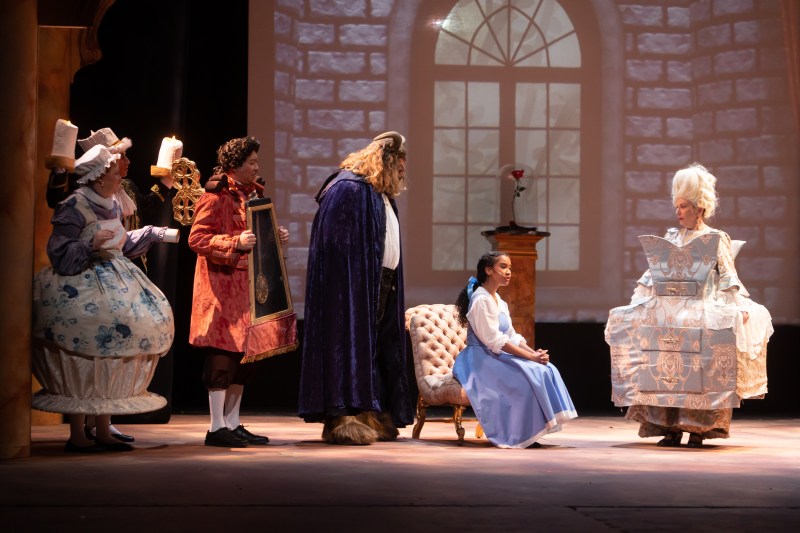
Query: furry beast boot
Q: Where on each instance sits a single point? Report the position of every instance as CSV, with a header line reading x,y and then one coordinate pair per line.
x,y
381,423
348,430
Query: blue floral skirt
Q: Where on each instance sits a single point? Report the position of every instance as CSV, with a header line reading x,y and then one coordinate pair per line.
x,y
97,337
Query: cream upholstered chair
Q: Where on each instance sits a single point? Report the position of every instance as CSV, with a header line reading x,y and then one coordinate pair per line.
x,y
436,339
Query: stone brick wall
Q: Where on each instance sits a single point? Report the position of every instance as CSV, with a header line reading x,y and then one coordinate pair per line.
x,y
705,82
288,65
331,87
702,81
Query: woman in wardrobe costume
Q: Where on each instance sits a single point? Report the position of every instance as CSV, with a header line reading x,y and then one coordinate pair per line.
x,y
726,302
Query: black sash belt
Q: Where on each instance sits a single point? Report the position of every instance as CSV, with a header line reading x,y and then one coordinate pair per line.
x,y
388,277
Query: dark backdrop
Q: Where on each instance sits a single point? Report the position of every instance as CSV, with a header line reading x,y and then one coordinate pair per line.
x,y
180,68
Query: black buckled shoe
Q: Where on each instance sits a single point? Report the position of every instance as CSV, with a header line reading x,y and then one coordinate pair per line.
x,y
224,438
248,437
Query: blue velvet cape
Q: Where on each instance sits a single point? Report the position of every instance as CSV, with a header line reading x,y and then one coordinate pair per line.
x,y
347,367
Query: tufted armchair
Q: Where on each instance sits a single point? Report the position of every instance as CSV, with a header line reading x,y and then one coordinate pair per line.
x,y
436,339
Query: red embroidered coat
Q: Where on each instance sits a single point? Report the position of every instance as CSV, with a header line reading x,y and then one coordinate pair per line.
x,y
221,297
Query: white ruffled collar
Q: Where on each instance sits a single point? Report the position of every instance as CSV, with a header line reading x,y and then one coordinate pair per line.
x,y
105,203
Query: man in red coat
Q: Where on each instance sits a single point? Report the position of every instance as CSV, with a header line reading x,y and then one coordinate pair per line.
x,y
221,324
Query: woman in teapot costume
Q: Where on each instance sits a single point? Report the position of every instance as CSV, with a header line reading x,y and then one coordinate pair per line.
x,y
100,325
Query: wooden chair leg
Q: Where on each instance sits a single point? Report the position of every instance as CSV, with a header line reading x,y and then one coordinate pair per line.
x,y
422,412
458,410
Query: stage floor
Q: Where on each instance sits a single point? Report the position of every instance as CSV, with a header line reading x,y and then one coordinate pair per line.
x,y
596,475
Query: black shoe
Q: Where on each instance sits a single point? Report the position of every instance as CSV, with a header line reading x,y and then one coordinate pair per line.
x,y
122,437
119,436
92,448
224,438
672,440
248,437
695,441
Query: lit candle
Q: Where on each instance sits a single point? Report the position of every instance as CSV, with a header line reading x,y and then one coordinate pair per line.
x,y
63,153
171,149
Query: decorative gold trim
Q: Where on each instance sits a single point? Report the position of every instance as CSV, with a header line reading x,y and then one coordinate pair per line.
x,y
157,191
269,353
187,182
251,267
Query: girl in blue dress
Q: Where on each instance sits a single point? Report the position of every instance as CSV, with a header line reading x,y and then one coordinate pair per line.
x,y
516,393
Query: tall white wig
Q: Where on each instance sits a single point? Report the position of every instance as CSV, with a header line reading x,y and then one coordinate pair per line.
x,y
697,185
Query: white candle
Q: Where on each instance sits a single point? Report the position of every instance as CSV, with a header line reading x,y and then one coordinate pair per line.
x,y
63,153
171,149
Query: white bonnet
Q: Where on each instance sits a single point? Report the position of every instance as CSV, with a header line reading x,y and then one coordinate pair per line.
x,y
94,163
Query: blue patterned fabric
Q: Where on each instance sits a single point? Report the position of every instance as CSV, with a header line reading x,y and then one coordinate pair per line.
x,y
109,309
98,304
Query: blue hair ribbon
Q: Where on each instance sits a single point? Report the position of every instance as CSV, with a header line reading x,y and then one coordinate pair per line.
x,y
471,286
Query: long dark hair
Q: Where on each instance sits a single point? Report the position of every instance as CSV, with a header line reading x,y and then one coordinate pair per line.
x,y
462,302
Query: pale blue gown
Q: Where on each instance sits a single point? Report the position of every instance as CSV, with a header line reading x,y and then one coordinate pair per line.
x,y
516,401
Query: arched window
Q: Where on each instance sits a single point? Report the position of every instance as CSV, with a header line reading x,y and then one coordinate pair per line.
x,y
508,87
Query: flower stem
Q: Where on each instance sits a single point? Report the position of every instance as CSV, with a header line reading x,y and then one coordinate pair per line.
x,y
513,211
